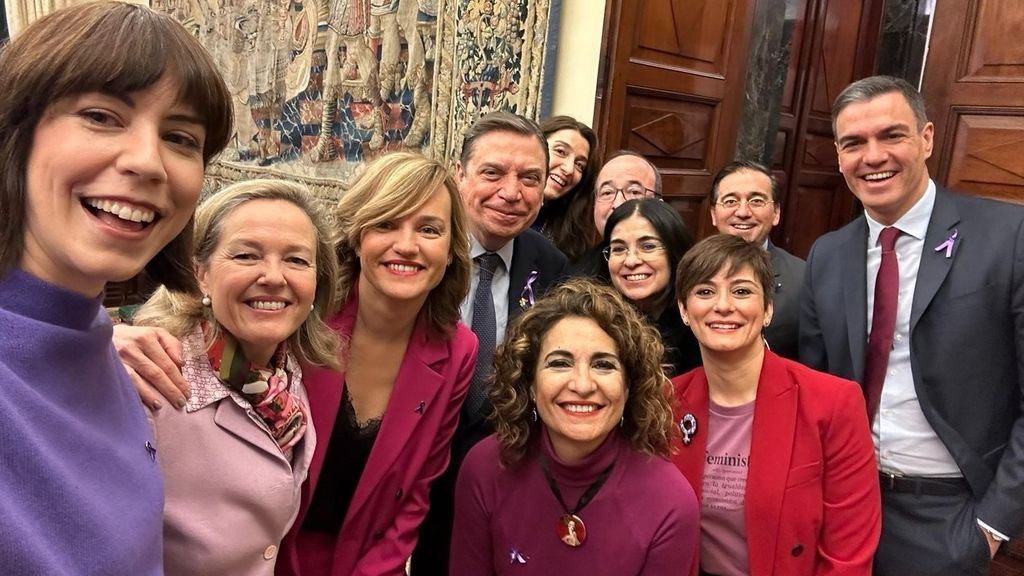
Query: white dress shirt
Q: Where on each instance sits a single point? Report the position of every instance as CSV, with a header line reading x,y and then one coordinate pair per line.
x,y
905,443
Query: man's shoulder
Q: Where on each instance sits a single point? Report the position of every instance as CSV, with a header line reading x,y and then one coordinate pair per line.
x,y
780,255
534,245
986,209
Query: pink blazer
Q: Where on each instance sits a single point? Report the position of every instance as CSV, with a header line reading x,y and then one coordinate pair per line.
x,y
224,476
812,504
411,450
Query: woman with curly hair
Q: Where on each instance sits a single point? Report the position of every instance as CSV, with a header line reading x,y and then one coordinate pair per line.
x,y
583,425
567,214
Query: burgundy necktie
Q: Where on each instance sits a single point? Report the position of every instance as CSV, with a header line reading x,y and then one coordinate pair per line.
x,y
883,321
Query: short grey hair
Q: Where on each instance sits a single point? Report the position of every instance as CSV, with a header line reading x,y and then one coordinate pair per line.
x,y
874,86
502,121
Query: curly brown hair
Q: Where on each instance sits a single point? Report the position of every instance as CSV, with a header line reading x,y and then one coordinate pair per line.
x,y
647,417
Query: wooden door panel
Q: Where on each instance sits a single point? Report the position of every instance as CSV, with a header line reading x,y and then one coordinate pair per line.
x,y
986,155
671,131
687,35
973,90
995,53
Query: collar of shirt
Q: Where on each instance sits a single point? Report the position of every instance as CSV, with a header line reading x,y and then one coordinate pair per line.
x,y
913,223
505,252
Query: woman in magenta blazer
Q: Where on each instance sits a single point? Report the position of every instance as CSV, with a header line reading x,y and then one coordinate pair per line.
x,y
385,422
780,455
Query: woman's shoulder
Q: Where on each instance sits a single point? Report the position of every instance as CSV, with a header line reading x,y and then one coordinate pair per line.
x,y
823,391
644,473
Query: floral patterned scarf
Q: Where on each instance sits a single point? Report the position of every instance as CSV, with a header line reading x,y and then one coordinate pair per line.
x,y
265,388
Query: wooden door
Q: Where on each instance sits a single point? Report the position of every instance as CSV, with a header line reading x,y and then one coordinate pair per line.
x,y
834,43
671,86
974,89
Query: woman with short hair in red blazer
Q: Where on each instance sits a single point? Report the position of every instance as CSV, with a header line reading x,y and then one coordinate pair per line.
x,y
780,455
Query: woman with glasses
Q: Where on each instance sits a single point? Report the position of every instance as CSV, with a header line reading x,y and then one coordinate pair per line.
x,y
643,242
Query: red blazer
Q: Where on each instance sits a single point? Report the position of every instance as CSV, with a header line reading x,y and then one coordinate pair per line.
x,y
812,504
411,450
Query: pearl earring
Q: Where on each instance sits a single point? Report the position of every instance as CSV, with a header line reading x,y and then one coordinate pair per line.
x,y
206,300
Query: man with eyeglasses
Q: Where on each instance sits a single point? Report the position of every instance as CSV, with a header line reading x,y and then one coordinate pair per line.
x,y
626,175
745,203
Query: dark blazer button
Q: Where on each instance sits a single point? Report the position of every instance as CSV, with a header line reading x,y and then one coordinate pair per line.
x,y
378,534
797,550
398,494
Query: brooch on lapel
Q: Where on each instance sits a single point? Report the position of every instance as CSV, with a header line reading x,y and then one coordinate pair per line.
x,y
527,297
948,244
688,426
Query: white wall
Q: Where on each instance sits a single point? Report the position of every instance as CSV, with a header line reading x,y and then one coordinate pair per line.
x,y
579,51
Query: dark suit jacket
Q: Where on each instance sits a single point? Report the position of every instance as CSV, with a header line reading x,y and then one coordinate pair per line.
x,y
966,338
783,333
532,252
812,505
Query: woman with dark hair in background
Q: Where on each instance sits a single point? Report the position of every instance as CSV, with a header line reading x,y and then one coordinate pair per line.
x,y
565,217
109,114
644,240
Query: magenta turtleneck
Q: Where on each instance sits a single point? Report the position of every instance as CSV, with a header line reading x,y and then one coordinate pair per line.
x,y
643,520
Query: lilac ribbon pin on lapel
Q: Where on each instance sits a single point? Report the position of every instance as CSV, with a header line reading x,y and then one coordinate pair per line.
x,y
527,298
948,244
516,557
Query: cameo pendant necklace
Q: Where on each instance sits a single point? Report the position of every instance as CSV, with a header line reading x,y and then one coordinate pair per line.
x,y
571,529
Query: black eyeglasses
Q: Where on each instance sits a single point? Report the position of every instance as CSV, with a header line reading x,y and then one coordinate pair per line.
x,y
635,191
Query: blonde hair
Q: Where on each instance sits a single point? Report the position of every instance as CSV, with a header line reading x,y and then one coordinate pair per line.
x,y
393,187
180,312
647,417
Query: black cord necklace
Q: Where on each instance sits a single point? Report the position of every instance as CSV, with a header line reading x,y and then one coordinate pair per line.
x,y
571,529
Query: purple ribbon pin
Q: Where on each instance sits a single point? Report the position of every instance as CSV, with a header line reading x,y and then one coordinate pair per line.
x,y
948,244
527,298
516,557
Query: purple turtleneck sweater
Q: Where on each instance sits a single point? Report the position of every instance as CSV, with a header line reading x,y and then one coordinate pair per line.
x,y
80,491
644,520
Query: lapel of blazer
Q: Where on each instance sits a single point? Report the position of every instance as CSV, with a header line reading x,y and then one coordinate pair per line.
x,y
934,264
234,419
692,392
775,416
412,397
854,263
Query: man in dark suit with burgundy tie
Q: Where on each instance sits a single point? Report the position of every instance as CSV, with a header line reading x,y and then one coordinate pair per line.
x,y
921,300
501,176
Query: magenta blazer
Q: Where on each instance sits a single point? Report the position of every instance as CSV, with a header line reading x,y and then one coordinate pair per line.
x,y
411,450
812,504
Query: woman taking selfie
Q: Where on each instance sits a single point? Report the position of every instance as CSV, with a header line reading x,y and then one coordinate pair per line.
x,y
109,113
780,455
